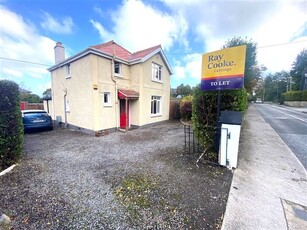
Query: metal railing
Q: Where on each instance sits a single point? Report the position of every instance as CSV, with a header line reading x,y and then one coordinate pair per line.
x,y
195,148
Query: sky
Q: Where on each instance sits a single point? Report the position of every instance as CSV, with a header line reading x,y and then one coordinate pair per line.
x,y
186,29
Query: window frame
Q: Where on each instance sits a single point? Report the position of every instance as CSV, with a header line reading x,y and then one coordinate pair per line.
x,y
119,67
156,72
156,106
68,70
109,102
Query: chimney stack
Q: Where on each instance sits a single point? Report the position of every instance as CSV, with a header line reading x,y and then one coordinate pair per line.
x,y
59,52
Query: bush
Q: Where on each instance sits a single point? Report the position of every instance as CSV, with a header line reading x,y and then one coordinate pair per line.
x,y
11,128
204,114
186,108
295,96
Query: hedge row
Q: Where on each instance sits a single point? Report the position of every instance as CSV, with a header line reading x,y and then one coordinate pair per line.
x,y
11,128
204,114
295,96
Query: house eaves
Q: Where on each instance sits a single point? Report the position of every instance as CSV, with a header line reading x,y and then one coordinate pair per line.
x,y
156,51
97,52
83,54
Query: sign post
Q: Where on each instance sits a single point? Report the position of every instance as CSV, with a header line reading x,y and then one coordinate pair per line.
x,y
222,70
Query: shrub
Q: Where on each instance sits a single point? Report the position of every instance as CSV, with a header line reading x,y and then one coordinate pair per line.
x,y
295,96
186,108
11,128
204,114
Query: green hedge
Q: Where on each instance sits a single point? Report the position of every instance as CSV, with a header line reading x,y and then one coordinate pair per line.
x,y
295,96
204,110
11,128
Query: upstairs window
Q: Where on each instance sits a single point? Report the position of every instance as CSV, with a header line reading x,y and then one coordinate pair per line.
x,y
68,71
156,105
117,68
107,99
156,72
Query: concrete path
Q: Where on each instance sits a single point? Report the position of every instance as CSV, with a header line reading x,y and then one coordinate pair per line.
x,y
269,187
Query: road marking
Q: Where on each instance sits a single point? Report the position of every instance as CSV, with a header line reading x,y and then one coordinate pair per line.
x,y
281,118
290,110
290,115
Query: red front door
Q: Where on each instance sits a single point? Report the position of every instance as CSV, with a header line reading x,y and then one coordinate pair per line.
x,y
124,113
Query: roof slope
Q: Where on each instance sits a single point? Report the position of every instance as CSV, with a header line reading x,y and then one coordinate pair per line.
x,y
112,49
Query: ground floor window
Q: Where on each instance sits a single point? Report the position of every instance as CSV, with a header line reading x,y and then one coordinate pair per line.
x,y
156,103
107,99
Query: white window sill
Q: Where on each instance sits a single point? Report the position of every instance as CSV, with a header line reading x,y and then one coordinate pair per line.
x,y
161,82
156,115
107,105
118,75
68,76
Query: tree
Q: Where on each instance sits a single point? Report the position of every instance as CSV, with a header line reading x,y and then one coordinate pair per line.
x,y
184,90
299,67
27,95
274,85
252,72
47,94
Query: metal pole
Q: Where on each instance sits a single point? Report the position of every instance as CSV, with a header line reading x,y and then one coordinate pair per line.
x,y
217,126
127,115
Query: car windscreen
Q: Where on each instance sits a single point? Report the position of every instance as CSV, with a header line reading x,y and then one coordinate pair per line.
x,y
35,114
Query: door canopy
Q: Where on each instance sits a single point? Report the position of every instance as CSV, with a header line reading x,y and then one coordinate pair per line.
x,y
128,94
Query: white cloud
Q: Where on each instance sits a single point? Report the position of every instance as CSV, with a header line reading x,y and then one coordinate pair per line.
x,y
104,34
265,22
60,27
12,72
189,67
20,42
137,26
281,57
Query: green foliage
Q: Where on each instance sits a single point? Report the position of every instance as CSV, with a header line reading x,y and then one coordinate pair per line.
x,y
26,95
11,128
186,107
295,96
47,94
184,90
204,110
252,72
299,67
275,85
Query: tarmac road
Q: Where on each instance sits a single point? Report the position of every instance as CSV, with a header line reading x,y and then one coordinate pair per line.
x,y
291,126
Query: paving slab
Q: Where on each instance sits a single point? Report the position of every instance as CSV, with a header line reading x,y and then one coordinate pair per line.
x,y
269,187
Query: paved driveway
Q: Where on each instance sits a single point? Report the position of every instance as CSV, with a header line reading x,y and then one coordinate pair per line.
x,y
134,180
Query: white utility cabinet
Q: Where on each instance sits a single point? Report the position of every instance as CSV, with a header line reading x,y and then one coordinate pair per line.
x,y
230,137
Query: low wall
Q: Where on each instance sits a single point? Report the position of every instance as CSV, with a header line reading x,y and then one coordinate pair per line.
x,y
300,104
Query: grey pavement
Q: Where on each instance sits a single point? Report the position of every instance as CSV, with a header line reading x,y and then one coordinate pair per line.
x,y
269,187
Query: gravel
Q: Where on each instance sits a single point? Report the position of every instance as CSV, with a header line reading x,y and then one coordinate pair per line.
x,y
68,180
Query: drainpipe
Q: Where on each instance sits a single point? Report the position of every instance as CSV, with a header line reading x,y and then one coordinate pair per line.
x,y
114,80
65,113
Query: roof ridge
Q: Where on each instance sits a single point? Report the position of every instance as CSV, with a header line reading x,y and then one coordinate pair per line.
x,y
147,49
113,43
